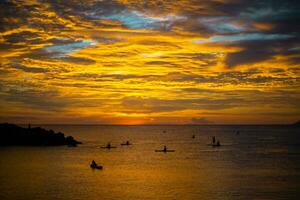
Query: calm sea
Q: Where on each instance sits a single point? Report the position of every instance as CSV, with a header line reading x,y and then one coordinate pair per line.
x,y
262,162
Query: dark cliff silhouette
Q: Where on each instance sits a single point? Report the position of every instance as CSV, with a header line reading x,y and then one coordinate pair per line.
x,y
296,123
13,135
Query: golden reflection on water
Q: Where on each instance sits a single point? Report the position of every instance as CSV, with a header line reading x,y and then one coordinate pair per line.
x,y
193,171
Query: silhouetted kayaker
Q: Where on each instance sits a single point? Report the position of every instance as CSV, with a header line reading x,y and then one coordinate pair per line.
x,y
127,143
93,164
193,136
165,148
108,146
213,139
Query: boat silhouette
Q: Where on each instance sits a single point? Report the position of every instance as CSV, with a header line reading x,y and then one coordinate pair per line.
x,y
127,143
108,146
164,150
94,165
214,142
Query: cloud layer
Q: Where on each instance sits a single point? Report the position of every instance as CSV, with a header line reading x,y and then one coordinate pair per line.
x,y
128,62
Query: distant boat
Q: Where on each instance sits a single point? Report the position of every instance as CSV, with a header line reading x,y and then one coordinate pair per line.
x,y
94,165
193,136
164,131
164,150
127,143
108,146
217,144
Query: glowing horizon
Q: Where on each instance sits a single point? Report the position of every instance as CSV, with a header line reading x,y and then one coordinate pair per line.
x,y
154,62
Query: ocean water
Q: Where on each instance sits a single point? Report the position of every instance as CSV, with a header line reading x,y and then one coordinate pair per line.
x,y
262,162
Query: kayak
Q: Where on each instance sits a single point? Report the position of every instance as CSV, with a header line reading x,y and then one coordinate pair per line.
x,y
108,147
165,151
214,145
124,144
96,167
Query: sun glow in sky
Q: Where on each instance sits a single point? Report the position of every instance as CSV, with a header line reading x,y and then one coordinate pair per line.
x,y
149,62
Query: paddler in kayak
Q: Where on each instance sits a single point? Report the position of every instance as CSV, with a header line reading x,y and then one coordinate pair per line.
x,y
94,165
165,149
108,146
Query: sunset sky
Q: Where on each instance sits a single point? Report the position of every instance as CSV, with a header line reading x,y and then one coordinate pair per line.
x,y
149,62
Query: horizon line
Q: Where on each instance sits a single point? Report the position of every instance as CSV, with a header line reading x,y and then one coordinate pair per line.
x,y
211,124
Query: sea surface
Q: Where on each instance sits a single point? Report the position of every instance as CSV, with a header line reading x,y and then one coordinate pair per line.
x,y
262,162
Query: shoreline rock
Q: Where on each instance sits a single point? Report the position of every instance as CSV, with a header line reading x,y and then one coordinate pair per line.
x,y
13,135
296,123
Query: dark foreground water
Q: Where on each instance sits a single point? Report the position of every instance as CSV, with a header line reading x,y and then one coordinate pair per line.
x,y
263,162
